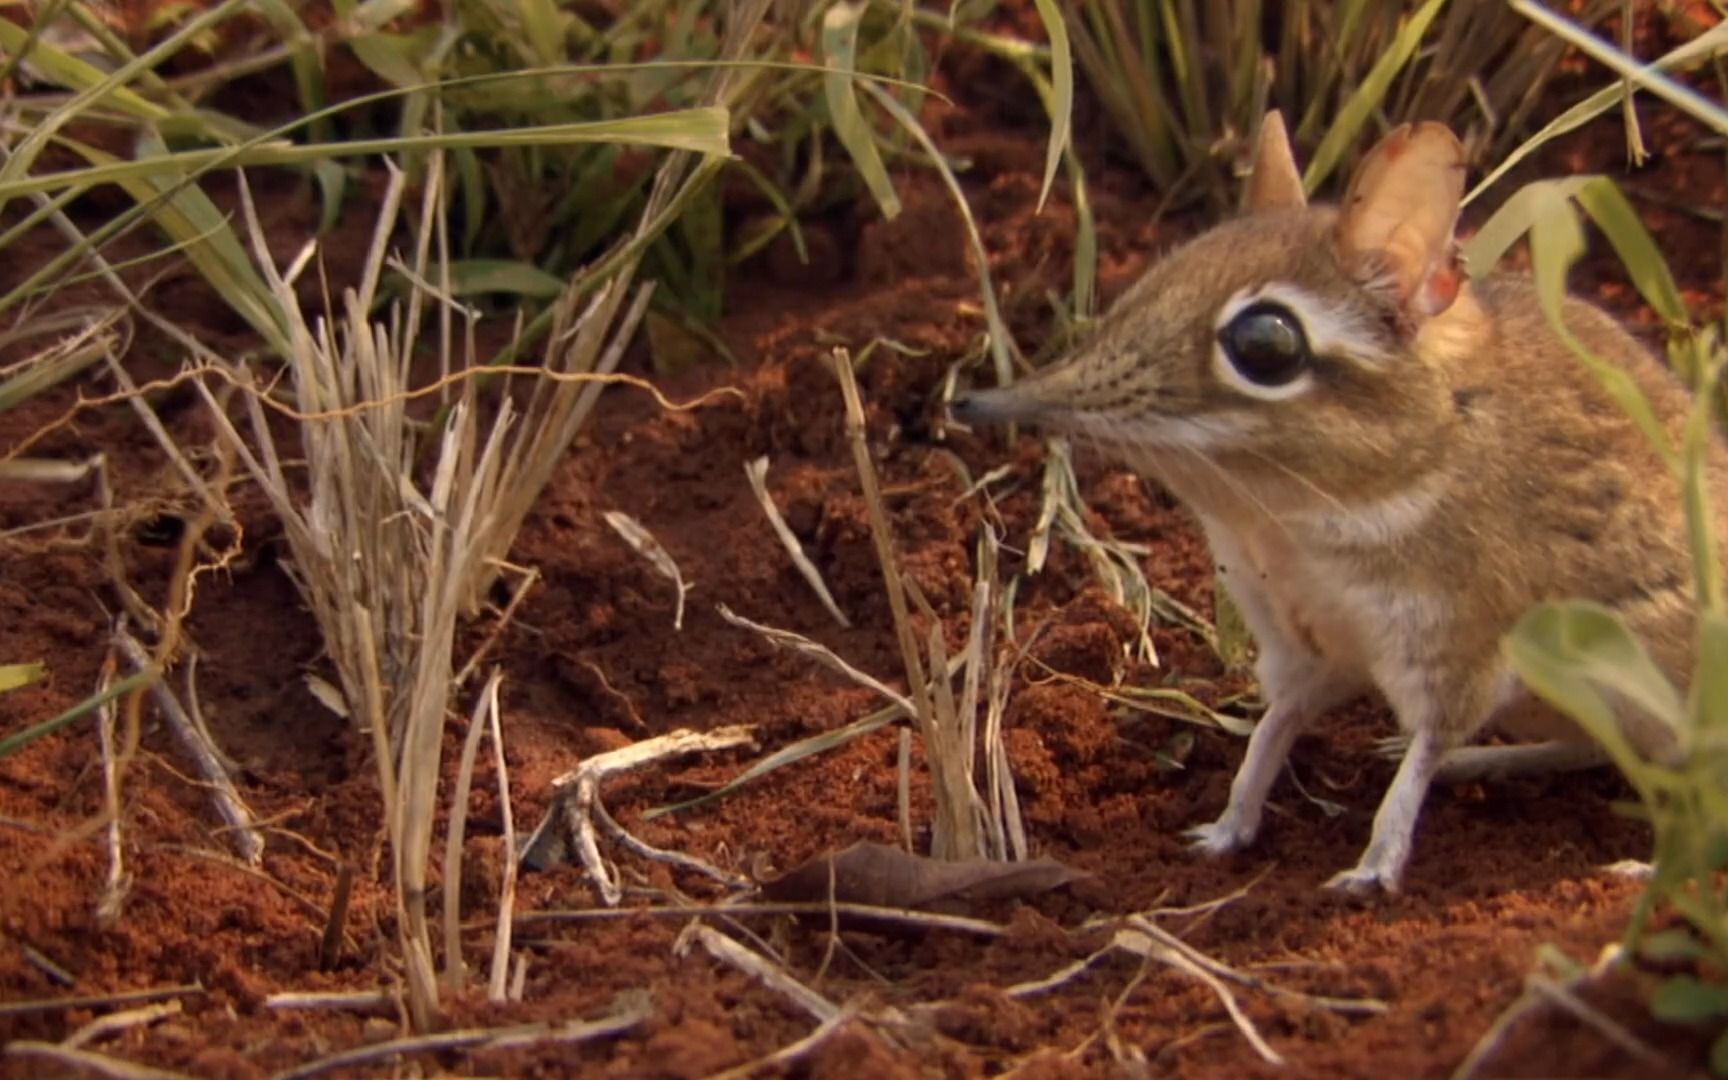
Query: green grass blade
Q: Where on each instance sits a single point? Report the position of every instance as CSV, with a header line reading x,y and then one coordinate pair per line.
x,y
1002,348
701,130
1354,114
839,48
76,74
1556,242
1697,51
1569,654
11,744
1677,94
30,147
187,215
469,277
1510,223
1602,199
1061,103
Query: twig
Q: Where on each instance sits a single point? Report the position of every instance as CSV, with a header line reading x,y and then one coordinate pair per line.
x,y
757,472
575,794
1142,944
90,1061
530,575
758,967
642,849
926,920
103,1026
330,942
1540,989
99,1001
207,759
46,966
631,1015
348,1000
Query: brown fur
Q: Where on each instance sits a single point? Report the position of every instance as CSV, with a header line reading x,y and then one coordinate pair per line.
x,y
1448,464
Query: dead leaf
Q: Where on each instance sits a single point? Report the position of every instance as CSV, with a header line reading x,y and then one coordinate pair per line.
x,y
881,876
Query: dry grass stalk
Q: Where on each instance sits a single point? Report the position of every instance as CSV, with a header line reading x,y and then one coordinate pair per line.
x,y
630,1014
757,473
642,542
206,756
497,990
872,913
98,1001
387,566
965,824
758,967
115,1023
349,1000
454,970
116,884
88,1062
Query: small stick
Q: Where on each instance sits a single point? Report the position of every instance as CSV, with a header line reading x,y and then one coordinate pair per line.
x,y
758,967
46,966
229,805
349,1000
643,543
575,794
98,1001
926,920
757,472
330,945
798,643
903,788
1142,944
641,848
481,1039
90,1061
103,1026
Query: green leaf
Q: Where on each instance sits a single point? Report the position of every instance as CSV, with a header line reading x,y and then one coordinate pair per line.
x,y
1619,222
76,74
1709,704
1061,107
1684,998
1556,242
1571,653
839,50
1367,97
186,214
1669,945
13,676
471,276
1509,224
